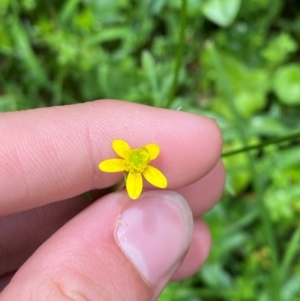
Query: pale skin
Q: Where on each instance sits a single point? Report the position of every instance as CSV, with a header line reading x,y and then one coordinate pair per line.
x,y
49,157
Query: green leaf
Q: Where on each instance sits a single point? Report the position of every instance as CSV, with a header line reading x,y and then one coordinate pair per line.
x,y
26,52
279,48
268,126
68,10
237,168
221,12
7,103
215,276
291,289
286,84
4,4
149,68
290,253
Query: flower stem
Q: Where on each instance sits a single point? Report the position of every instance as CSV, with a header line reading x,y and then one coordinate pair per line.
x,y
118,186
291,137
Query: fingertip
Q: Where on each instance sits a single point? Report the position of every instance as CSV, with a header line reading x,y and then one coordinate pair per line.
x,y
197,252
83,260
60,158
203,194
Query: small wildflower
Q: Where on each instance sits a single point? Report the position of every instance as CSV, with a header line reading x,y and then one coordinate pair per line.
x,y
135,163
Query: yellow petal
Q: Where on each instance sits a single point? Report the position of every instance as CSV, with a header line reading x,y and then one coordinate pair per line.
x,y
153,150
155,177
134,185
112,165
121,147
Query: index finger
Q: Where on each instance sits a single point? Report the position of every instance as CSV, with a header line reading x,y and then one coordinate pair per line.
x,y
51,154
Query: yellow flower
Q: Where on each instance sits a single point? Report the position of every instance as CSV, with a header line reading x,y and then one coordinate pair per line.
x,y
135,163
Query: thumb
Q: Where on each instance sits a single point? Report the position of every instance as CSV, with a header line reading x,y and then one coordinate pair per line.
x,y
116,249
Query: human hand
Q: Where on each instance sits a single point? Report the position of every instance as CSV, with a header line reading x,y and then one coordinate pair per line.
x,y
114,248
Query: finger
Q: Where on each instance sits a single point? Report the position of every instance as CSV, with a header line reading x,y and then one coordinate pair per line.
x,y
22,233
53,153
197,253
115,249
201,196
5,279
205,193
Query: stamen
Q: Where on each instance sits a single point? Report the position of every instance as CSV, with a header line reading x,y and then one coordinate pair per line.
x,y
137,160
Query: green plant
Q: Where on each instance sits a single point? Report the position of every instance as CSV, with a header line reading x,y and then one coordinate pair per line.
x,y
235,61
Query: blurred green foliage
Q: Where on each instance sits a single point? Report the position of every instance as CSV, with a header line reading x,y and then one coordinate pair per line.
x,y
63,52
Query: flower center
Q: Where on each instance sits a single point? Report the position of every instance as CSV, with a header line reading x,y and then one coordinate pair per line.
x,y
137,160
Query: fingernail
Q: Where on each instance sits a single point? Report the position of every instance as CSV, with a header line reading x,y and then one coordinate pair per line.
x,y
155,233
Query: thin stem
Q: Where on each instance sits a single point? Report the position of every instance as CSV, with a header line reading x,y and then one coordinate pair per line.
x,y
118,186
291,137
290,254
179,53
274,288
